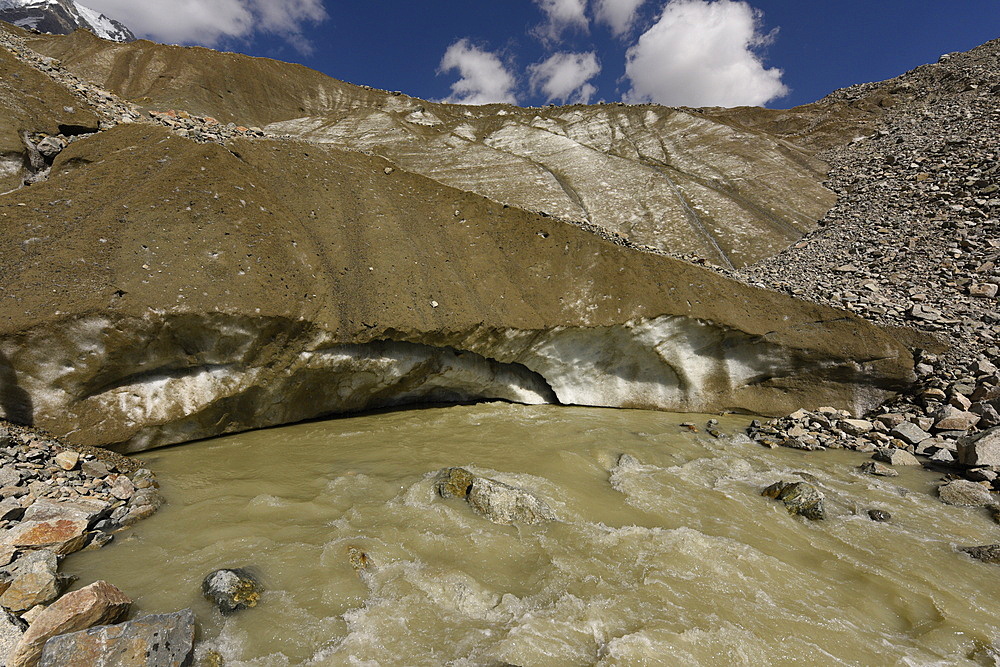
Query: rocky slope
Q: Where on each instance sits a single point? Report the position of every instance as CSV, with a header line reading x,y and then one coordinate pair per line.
x,y
171,280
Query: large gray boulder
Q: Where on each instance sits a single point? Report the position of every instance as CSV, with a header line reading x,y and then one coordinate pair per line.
x,y
980,449
163,640
505,504
498,502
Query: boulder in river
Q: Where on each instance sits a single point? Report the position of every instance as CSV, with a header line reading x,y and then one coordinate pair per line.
x,y
879,469
505,504
988,553
232,589
454,483
162,640
799,498
879,515
500,503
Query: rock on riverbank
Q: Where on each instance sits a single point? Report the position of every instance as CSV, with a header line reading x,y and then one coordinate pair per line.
x,y
55,500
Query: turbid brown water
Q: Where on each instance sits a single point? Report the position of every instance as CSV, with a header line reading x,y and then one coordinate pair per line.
x,y
677,561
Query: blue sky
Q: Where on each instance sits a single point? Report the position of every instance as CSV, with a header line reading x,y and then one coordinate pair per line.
x,y
778,53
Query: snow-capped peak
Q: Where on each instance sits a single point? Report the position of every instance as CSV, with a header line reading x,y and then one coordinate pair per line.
x,y
62,17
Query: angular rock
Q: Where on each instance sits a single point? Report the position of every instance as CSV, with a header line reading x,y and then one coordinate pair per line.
x,y
67,460
943,456
162,640
35,580
910,433
964,492
949,418
980,449
62,536
232,589
505,504
96,604
876,468
799,498
896,457
855,427
454,483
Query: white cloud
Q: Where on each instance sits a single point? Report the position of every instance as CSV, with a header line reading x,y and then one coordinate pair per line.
x,y
209,22
619,15
562,15
484,78
564,77
700,53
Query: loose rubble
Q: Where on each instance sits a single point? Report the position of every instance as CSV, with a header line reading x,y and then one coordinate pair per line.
x,y
55,500
913,241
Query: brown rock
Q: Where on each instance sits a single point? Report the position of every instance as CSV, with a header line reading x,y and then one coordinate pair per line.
x,y
63,536
97,604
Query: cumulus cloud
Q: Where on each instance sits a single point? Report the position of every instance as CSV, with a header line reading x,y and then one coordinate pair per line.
x,y
562,15
484,79
210,22
619,15
701,53
565,76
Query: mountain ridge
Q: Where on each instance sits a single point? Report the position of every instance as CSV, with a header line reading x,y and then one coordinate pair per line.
x,y
62,17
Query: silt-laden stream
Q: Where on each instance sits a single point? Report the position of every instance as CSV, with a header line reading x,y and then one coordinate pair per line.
x,y
677,561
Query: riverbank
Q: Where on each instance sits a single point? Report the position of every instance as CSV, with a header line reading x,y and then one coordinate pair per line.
x,y
57,499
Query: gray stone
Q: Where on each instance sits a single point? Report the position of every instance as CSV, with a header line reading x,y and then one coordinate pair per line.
x,y
876,468
9,476
11,629
95,468
232,589
855,427
49,147
964,492
980,449
910,433
800,498
505,504
896,457
163,640
942,456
